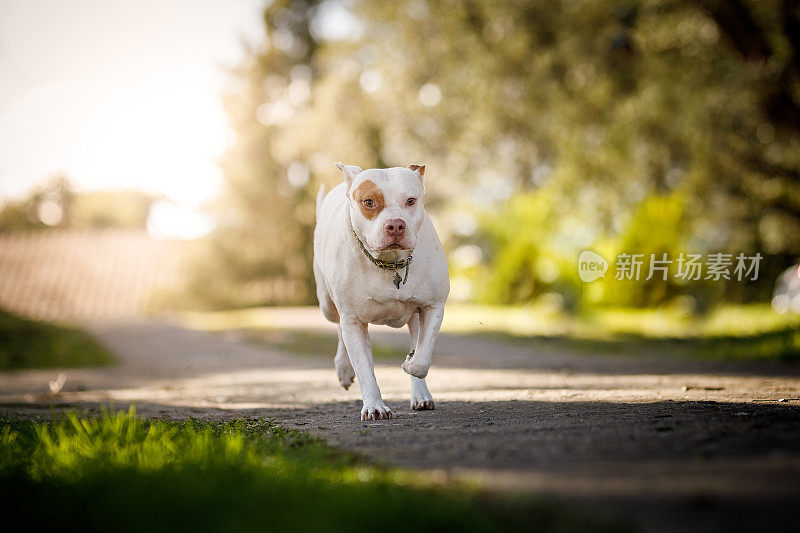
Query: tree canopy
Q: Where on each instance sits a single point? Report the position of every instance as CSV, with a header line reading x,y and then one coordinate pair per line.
x,y
548,127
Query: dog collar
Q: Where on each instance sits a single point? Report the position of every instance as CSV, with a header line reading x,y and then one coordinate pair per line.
x,y
387,265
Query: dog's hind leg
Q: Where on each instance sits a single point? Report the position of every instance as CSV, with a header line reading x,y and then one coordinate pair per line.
x,y
326,304
421,398
344,368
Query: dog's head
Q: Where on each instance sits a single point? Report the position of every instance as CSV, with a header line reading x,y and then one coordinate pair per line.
x,y
386,205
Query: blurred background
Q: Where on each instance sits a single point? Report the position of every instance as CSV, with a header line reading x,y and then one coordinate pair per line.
x,y
163,156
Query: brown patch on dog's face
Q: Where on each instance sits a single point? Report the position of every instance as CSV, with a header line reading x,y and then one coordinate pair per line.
x,y
369,198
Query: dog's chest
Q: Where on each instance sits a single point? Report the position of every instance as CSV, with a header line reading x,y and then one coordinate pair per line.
x,y
393,309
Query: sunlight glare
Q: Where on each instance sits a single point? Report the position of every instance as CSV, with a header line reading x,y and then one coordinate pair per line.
x,y
127,97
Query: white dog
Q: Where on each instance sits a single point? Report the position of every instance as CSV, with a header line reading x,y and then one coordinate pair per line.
x,y
378,260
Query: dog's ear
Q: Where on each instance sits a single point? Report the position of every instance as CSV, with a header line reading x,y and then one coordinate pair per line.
x,y
350,172
419,169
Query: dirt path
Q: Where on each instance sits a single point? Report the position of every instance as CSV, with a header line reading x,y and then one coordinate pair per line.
x,y
668,445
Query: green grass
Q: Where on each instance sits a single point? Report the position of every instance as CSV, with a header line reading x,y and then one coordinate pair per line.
x,y
118,472
752,332
781,345
599,323
30,344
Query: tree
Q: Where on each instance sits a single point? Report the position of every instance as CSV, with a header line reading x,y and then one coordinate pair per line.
x,y
597,108
615,103
260,251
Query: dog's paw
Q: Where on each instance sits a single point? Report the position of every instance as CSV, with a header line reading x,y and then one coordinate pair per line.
x,y
422,405
421,399
375,411
411,367
345,372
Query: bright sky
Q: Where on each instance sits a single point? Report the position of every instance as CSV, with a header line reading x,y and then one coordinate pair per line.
x,y
118,94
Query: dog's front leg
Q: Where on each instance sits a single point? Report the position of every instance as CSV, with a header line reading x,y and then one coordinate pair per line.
x,y
430,321
356,340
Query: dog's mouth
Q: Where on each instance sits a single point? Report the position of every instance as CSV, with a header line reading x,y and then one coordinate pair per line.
x,y
393,246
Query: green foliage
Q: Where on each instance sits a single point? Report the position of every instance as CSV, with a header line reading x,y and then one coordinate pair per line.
x,y
49,205
16,216
774,346
110,209
532,253
605,106
658,226
261,252
30,344
742,333
245,475
56,204
673,322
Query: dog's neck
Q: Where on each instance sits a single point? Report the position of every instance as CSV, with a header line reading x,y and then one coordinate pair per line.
x,y
383,255
390,255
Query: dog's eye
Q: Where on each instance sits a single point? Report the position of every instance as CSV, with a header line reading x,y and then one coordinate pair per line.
x,y
411,201
368,202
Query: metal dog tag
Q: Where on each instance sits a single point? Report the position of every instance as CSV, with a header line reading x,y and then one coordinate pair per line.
x,y
397,280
